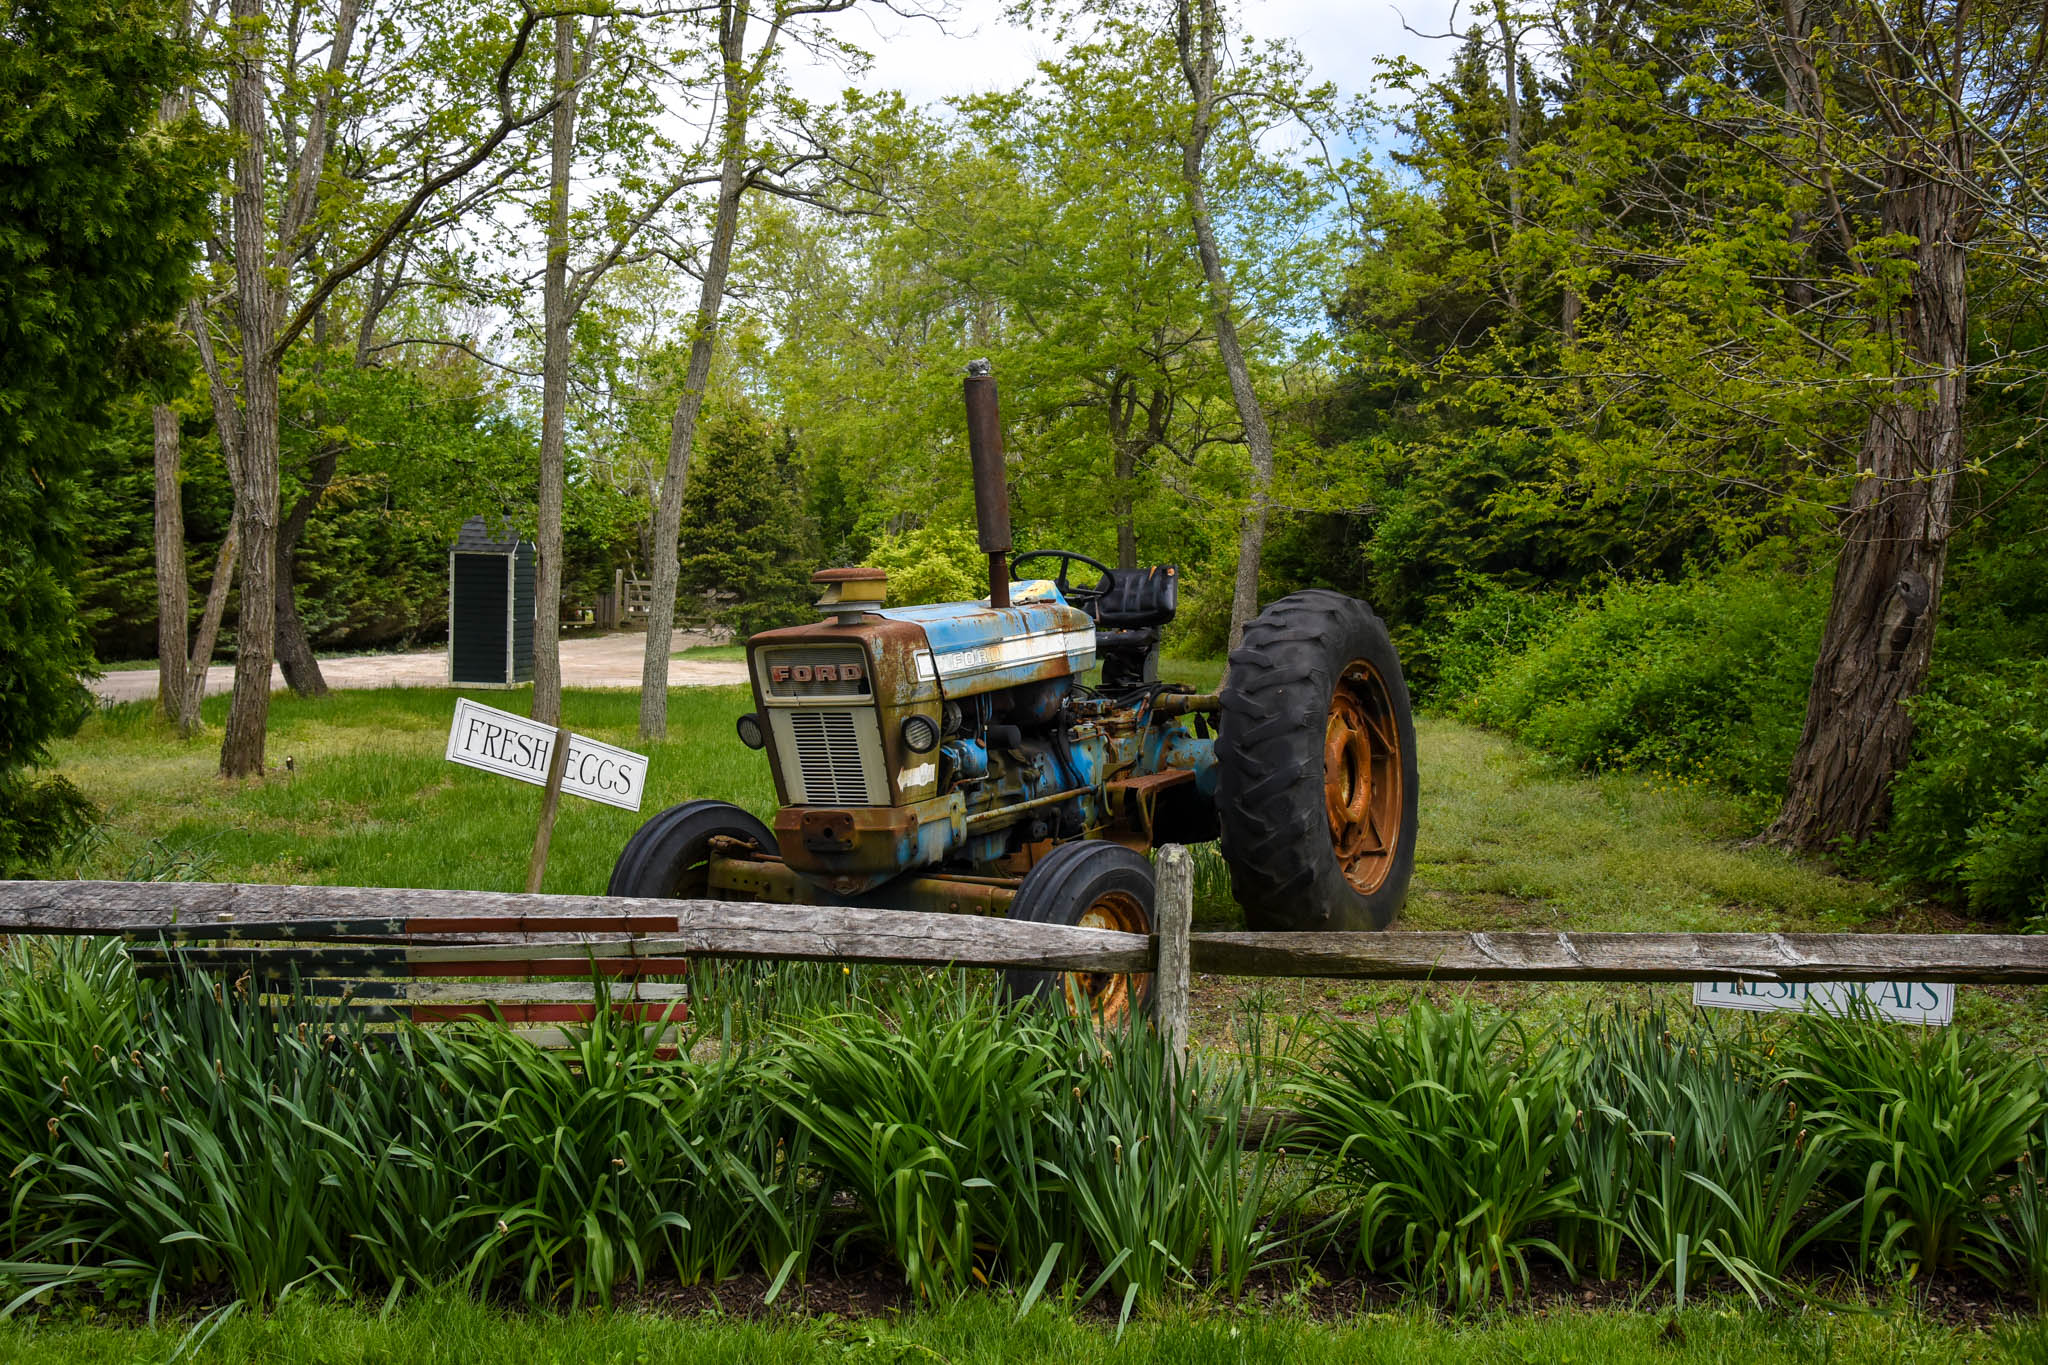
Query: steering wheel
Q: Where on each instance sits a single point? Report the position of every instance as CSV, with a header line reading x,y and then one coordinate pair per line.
x,y
1083,598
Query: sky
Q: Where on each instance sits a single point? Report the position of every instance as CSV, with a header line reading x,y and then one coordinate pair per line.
x,y
978,50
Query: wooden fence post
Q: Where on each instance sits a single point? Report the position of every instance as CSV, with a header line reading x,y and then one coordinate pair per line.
x,y
1173,912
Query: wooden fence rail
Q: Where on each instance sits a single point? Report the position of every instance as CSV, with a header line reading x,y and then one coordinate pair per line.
x,y
376,931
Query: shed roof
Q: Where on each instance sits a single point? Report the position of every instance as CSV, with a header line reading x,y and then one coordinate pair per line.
x,y
481,537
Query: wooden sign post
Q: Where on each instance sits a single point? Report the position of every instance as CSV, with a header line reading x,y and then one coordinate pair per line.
x,y
537,866
547,756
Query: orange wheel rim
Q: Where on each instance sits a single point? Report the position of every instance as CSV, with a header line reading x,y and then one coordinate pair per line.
x,y
1109,996
1362,777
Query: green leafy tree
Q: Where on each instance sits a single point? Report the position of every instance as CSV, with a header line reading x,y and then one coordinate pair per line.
x,y
742,544
940,562
98,213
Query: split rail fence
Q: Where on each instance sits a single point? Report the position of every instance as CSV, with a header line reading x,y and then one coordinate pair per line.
x,y
420,953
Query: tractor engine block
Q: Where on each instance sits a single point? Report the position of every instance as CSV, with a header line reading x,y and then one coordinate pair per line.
x,y
958,736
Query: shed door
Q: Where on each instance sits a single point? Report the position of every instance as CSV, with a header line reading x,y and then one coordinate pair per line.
x,y
478,618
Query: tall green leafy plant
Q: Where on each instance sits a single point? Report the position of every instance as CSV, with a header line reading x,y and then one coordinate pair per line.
x,y
1683,1151
1442,1136
1931,1122
932,1110
1152,1155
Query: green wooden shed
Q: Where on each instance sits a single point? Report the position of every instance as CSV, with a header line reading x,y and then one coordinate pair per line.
x,y
490,607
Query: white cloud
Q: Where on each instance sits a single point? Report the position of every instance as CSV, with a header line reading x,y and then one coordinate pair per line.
x,y
979,50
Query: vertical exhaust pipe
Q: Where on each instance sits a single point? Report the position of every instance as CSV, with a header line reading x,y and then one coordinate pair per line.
x,y
991,490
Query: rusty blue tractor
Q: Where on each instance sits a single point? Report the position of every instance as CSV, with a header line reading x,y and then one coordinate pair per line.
x,y
969,757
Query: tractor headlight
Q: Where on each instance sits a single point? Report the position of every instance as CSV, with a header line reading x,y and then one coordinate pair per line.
x,y
920,734
750,731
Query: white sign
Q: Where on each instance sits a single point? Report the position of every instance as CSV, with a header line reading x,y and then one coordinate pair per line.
x,y
514,746
1905,1002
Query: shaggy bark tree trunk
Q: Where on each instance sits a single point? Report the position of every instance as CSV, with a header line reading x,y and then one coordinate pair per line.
x,y
554,389
682,437
209,631
1195,39
256,493
173,595
1123,504
294,650
1879,635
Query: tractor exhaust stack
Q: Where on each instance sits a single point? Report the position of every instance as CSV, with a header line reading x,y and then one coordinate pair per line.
x,y
991,489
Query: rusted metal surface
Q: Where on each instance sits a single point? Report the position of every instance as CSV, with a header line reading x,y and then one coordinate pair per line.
x,y
991,480
1006,815
1187,703
850,846
1134,801
1109,996
1362,777
895,686
774,882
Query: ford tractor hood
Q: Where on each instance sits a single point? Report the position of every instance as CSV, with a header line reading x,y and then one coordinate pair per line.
x,y
979,648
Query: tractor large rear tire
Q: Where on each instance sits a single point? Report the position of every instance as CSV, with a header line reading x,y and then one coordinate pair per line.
x,y
1099,885
1315,754
669,857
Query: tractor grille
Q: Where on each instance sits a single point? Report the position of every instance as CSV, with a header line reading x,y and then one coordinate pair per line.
x,y
828,758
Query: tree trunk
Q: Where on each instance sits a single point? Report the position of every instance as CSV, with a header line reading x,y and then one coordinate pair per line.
x,y
294,650
209,630
1887,590
554,390
173,596
1123,505
1196,41
1119,410
1512,90
256,496
682,436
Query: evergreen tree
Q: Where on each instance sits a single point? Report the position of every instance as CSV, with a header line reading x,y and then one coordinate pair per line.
x,y
742,543
99,213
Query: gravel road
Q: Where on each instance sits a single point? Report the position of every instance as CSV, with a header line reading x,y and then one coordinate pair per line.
x,y
593,661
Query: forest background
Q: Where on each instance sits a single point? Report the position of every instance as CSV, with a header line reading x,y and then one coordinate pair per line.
x,y
1667,374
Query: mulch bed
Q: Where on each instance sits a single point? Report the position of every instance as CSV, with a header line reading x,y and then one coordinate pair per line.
x,y
853,1289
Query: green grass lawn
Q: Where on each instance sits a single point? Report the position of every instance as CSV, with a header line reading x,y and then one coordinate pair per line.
x,y
370,801
1507,841
980,1331
714,653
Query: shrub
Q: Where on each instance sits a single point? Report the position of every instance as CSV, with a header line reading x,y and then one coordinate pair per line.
x,y
177,1138
932,1110
1705,678
1971,811
937,562
204,1143
1495,626
1152,1160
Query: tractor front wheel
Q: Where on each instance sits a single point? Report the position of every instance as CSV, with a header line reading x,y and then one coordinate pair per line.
x,y
669,857
1095,884
1315,755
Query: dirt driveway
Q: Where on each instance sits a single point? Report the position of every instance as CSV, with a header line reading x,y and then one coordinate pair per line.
x,y
593,661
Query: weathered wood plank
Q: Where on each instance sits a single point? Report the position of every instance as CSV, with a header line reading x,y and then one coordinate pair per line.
x,y
230,909
704,928
710,928
1173,913
1988,958
408,991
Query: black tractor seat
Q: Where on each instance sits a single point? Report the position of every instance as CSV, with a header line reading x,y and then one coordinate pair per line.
x,y
1133,605
1132,599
